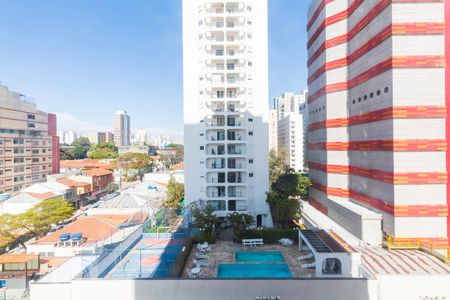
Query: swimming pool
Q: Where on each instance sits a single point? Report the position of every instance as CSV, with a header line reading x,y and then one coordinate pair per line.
x,y
254,271
264,257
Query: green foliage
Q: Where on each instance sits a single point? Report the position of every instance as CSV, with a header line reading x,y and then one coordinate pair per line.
x,y
10,229
204,218
175,194
42,216
272,235
139,163
284,197
112,188
80,151
240,223
35,221
104,151
277,165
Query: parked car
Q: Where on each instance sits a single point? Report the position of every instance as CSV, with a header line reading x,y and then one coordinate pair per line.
x,y
56,228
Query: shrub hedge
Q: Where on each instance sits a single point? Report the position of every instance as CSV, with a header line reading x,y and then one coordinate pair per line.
x,y
181,259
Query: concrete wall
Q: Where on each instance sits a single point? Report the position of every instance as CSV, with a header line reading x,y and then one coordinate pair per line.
x,y
206,289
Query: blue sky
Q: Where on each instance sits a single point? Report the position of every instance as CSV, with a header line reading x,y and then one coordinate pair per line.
x,y
85,59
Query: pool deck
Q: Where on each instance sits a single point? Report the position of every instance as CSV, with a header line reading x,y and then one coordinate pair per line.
x,y
224,253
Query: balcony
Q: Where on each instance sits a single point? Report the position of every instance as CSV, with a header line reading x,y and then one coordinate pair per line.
x,y
215,192
218,205
216,164
234,163
214,7
235,177
234,205
215,150
234,7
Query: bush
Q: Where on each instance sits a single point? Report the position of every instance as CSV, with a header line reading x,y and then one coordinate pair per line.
x,y
181,259
271,236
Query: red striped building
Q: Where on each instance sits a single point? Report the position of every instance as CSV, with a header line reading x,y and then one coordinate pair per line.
x,y
379,123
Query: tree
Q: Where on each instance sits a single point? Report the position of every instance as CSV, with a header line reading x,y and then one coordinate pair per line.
x,y
139,163
240,223
10,230
284,197
204,218
112,188
175,194
277,165
42,216
80,150
104,151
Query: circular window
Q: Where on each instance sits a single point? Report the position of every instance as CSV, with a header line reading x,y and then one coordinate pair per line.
x,y
386,90
378,93
365,97
359,99
354,101
371,95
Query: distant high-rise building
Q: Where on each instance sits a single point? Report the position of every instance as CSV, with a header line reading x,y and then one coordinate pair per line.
x,y
122,135
288,103
291,117
273,130
97,137
225,105
141,136
67,137
29,143
379,118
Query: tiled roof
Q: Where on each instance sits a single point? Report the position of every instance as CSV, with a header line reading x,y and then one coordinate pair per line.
x,y
93,229
97,172
178,166
73,183
43,196
86,163
17,258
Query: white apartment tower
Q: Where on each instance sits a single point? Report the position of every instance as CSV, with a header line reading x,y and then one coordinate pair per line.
x,y
225,57
122,135
292,117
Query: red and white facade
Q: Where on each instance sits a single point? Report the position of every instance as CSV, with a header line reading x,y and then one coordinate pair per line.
x,y
378,122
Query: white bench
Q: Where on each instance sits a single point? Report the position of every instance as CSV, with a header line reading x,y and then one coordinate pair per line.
x,y
252,242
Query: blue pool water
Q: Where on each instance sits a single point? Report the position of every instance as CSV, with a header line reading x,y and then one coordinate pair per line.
x,y
264,257
254,271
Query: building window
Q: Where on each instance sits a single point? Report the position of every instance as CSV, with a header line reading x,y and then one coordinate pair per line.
x,y
250,133
250,120
31,117
250,161
202,147
250,175
386,90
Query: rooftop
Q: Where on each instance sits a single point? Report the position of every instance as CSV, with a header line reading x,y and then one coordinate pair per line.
x,y
93,229
97,172
68,270
86,163
17,258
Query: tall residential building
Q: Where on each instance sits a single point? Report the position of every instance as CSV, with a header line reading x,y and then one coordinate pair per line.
x,y
67,137
273,130
29,145
288,103
290,141
225,105
291,113
379,125
97,137
141,136
122,135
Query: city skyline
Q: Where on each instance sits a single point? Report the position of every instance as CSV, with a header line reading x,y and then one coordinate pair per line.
x,y
94,55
